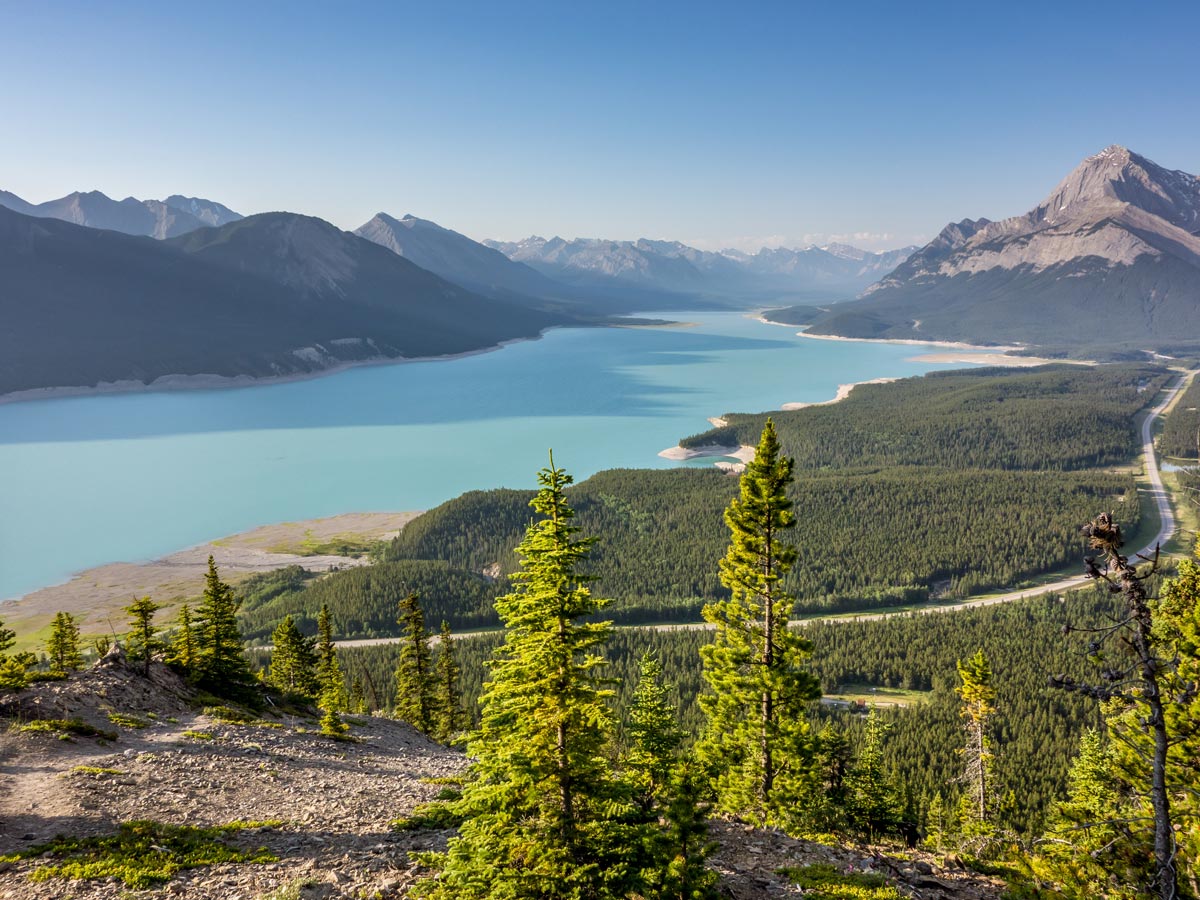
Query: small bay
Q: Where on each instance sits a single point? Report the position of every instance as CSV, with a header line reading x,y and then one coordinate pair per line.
x,y
95,479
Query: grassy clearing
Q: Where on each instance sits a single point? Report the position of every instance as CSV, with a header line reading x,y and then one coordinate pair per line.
x,y
65,729
877,696
143,854
824,882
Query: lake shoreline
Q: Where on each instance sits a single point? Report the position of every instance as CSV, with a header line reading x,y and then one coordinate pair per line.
x,y
210,382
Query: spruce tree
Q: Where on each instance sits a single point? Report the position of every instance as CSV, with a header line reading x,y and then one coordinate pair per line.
x,y
652,736
330,681
874,802
978,696
140,642
358,698
451,717
13,674
416,700
220,665
293,660
543,815
757,739
183,647
62,647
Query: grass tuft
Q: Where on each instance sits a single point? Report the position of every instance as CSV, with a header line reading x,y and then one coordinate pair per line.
x,y
824,882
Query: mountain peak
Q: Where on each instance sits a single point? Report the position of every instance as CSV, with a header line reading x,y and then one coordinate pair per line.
x,y
1117,175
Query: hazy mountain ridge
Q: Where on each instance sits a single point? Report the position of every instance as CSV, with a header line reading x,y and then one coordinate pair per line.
x,y
677,267
270,295
150,218
457,258
1110,257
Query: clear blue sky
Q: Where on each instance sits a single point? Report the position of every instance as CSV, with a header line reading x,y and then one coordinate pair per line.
x,y
721,124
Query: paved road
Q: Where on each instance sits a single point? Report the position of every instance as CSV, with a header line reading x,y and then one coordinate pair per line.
x,y
1157,491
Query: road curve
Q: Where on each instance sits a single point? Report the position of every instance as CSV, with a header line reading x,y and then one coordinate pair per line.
x,y
1157,491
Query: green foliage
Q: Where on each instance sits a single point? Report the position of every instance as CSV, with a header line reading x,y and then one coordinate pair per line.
x,y
873,797
652,736
542,810
143,854
1180,438
1101,836
13,673
62,647
757,739
7,638
824,882
219,664
293,661
447,676
198,735
97,771
183,648
330,681
65,729
416,697
140,642
127,721
429,816
228,715
978,695
1060,418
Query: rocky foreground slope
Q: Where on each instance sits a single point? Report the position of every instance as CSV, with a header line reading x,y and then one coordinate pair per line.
x,y
322,810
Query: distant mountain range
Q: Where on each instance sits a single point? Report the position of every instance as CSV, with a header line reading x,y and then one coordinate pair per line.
x,y
1110,259
830,273
269,295
457,258
152,218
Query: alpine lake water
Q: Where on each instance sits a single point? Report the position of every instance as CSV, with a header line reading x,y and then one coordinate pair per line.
x,y
96,479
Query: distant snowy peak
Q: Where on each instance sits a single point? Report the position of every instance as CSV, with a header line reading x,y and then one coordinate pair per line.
x,y
674,266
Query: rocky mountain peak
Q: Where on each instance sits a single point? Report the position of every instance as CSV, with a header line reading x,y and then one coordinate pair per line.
x,y
1117,175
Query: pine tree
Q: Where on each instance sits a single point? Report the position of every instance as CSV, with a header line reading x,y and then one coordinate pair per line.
x,y
825,807
330,681
140,643
358,698
757,738
220,666
13,675
686,844
183,648
416,700
978,696
1149,688
542,810
451,717
874,802
8,637
293,660
62,647
652,736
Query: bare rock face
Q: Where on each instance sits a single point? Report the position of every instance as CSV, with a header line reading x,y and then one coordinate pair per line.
x,y
1115,247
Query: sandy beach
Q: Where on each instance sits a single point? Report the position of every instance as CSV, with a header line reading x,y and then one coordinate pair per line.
x,y
745,452
95,596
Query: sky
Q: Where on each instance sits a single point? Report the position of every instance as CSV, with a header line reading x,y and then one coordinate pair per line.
x,y
719,124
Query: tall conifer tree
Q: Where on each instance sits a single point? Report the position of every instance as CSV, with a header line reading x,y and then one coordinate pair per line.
x,y
757,739
451,717
140,643
542,810
293,660
183,647
416,700
221,665
330,681
978,696
62,647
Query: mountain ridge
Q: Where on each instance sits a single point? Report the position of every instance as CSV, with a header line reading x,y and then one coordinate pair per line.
x,y
1110,258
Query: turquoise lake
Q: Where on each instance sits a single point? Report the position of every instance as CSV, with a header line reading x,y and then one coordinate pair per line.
x,y
91,480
